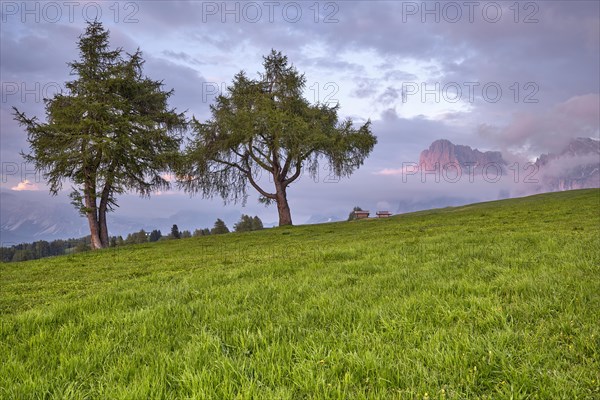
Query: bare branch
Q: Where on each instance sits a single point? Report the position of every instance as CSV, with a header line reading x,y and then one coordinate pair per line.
x,y
295,176
259,189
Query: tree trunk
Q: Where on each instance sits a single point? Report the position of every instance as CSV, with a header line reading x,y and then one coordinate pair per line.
x,y
103,228
92,217
102,209
102,215
94,231
283,208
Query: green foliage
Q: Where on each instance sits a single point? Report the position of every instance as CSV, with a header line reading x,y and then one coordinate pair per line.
x,y
22,255
219,228
155,236
42,249
264,125
201,232
244,224
81,247
497,300
137,237
186,234
175,234
257,223
248,223
110,132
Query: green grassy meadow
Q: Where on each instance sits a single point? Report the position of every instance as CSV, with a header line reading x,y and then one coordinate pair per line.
x,y
497,300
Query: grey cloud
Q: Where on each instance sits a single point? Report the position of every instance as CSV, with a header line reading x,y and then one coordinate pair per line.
x,y
398,75
190,88
38,56
332,64
366,87
389,96
549,131
182,56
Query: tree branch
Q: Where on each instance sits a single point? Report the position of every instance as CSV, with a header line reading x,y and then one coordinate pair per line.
x,y
286,166
234,165
258,188
262,164
295,176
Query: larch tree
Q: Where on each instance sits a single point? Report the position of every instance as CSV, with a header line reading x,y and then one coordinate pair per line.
x,y
266,126
110,132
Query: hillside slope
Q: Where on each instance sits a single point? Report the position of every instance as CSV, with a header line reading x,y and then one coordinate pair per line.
x,y
491,300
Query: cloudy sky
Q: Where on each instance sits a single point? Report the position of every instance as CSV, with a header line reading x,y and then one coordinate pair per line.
x,y
518,77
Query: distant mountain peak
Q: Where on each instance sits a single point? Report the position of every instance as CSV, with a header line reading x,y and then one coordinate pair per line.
x,y
443,152
577,166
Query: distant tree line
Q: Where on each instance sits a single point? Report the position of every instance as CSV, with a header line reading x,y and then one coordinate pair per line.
x,y
43,248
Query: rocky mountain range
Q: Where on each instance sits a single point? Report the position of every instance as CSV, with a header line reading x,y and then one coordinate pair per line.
x,y
445,153
577,166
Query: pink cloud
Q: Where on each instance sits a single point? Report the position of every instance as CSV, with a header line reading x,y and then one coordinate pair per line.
x,y
25,185
389,171
410,169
